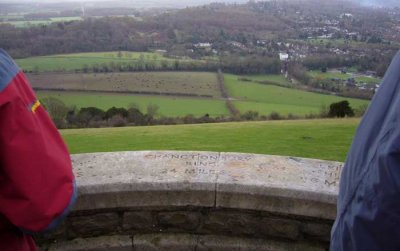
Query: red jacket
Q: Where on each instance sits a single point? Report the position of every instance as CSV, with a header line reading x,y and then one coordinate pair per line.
x,y
37,185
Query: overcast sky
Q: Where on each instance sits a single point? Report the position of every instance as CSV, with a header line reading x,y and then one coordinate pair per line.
x,y
189,2
155,1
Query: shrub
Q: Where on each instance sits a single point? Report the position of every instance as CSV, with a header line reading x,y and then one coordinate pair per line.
x,y
57,110
360,111
341,110
275,116
324,111
136,116
116,111
117,121
250,115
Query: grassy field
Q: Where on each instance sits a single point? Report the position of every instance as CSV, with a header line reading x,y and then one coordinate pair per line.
x,y
192,83
269,98
71,62
330,75
277,78
168,106
334,42
322,139
26,24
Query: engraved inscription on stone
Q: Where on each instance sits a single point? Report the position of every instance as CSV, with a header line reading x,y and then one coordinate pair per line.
x,y
199,157
198,163
295,172
333,175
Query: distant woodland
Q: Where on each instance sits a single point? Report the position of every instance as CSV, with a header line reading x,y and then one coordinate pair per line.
x,y
238,37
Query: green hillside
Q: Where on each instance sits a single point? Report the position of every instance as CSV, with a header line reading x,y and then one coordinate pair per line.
x,y
77,61
270,98
321,139
168,106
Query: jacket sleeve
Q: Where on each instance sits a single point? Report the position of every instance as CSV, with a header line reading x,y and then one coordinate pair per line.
x,y
37,186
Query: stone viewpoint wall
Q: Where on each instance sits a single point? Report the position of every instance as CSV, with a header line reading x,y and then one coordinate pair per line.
x,y
198,201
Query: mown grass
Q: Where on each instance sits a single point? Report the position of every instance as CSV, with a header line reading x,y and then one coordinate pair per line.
x,y
283,109
321,139
77,61
274,78
168,106
269,98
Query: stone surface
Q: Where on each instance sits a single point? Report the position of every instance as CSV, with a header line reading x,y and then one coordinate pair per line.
x,y
222,243
317,231
236,223
167,242
248,181
93,225
104,243
139,221
170,200
143,179
187,221
279,184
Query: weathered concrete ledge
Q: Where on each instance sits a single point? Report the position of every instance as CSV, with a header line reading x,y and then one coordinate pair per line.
x,y
244,200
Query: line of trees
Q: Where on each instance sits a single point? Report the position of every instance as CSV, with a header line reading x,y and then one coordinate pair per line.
x,y
236,64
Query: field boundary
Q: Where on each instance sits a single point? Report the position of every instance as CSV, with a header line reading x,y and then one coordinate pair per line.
x,y
175,94
225,95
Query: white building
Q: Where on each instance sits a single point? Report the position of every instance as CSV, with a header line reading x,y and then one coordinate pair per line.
x,y
283,56
203,45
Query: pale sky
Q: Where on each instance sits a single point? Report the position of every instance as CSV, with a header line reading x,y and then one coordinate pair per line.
x,y
155,1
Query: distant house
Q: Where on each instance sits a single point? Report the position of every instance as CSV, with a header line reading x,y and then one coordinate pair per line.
x,y
351,82
238,45
370,73
283,56
261,42
327,36
337,51
352,34
348,15
203,45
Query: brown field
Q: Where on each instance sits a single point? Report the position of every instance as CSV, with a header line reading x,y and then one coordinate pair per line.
x,y
162,83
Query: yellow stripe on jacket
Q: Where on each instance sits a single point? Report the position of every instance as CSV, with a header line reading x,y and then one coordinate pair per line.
x,y
35,106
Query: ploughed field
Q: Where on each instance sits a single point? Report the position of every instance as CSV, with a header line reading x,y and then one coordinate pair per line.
x,y
194,84
327,139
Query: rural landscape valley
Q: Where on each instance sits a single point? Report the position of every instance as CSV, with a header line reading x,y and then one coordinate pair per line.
x,y
270,77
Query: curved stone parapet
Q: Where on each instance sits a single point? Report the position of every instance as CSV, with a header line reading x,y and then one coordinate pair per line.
x,y
224,201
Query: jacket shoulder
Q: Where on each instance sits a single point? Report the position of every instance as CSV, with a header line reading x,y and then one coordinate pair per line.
x,y
8,69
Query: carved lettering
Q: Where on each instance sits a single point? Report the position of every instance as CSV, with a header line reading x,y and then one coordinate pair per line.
x,y
198,157
200,171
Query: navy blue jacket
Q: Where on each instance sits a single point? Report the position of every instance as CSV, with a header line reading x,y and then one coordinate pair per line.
x,y
368,217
